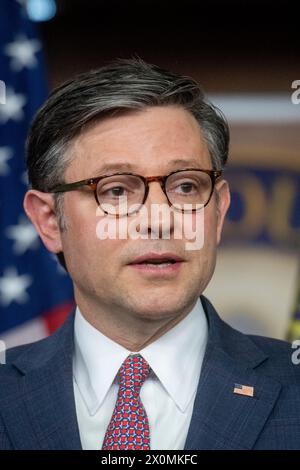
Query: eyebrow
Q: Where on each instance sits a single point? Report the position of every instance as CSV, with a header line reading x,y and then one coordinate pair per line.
x,y
120,166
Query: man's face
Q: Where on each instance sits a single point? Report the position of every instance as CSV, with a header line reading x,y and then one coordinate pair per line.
x,y
150,141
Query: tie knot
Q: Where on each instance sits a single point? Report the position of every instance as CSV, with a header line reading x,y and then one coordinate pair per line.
x,y
133,372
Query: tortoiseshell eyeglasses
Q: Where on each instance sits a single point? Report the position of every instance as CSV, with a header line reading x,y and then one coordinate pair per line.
x,y
124,193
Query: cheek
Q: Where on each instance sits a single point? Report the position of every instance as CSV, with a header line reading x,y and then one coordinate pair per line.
x,y
91,241
204,258
210,226
202,227
83,250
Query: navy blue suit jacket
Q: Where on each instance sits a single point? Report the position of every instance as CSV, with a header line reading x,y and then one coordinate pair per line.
x,y
37,406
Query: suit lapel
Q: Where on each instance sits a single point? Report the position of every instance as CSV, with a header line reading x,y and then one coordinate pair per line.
x,y
222,419
40,413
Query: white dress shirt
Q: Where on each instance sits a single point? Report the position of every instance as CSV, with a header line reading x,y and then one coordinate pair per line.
x,y
168,393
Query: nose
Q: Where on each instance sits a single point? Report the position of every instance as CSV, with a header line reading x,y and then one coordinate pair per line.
x,y
159,215
156,194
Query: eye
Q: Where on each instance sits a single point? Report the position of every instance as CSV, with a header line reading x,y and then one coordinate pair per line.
x,y
184,187
187,187
114,191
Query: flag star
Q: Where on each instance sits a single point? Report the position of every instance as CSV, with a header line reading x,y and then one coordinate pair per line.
x,y
13,287
23,3
2,92
5,154
24,235
12,109
24,178
22,53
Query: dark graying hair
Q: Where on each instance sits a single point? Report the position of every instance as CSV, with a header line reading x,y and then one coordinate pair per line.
x,y
121,86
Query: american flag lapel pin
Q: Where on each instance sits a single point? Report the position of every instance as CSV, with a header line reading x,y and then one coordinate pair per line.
x,y
245,390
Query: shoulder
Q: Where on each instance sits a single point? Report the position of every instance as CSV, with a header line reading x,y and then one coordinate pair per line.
x,y
16,353
268,356
283,360
34,355
272,346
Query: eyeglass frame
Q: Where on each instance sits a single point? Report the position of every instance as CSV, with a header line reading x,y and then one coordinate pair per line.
x,y
93,182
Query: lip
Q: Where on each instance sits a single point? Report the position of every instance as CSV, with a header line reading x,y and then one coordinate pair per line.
x,y
157,256
152,270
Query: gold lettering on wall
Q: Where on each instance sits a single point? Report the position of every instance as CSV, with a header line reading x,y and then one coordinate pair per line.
x,y
284,193
253,196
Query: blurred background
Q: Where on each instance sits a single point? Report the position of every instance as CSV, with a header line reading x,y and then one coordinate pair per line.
x,y
245,54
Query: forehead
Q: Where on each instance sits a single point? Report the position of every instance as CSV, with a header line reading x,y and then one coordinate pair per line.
x,y
147,140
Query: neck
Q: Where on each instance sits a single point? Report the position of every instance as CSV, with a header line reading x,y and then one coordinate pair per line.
x,y
133,332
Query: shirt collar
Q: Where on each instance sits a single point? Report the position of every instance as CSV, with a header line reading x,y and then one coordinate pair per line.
x,y
175,355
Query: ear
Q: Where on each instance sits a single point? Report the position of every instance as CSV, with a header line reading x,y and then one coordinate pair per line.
x,y
39,207
223,203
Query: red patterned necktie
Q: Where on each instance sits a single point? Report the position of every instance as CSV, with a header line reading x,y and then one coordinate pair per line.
x,y
129,426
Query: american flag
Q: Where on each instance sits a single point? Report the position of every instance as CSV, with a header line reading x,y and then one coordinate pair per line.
x,y
35,292
246,390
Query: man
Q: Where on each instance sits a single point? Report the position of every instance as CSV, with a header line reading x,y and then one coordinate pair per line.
x,y
144,362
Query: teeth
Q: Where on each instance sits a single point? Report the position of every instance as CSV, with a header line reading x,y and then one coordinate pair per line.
x,y
158,261
160,265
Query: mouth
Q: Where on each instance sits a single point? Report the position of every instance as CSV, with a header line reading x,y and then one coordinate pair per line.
x,y
165,263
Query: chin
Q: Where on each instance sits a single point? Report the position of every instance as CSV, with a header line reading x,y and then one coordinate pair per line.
x,y
159,306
